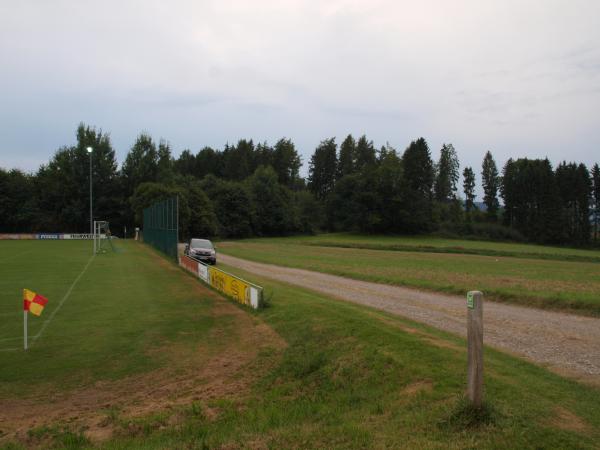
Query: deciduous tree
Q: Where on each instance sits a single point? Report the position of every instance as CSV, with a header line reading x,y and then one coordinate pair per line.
x,y
141,163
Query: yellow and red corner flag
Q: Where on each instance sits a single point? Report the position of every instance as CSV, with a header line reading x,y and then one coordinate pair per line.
x,y
34,303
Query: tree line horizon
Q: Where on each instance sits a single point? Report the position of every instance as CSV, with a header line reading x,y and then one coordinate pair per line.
x,y
250,189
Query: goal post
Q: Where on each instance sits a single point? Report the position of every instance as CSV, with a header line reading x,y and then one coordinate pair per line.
x,y
102,236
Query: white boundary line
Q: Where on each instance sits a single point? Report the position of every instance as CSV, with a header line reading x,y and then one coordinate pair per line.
x,y
64,299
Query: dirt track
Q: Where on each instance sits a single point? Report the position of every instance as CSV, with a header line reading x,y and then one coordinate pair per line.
x,y
566,343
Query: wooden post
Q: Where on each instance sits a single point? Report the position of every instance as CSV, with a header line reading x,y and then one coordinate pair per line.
x,y
475,348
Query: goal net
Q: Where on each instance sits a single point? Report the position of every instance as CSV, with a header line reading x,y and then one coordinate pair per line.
x,y
102,237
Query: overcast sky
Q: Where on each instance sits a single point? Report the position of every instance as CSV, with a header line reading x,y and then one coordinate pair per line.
x,y
519,78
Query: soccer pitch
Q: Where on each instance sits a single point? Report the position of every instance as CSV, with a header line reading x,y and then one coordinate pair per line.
x,y
105,313
46,267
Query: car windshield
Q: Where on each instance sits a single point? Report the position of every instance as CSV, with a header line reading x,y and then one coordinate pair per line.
x,y
201,243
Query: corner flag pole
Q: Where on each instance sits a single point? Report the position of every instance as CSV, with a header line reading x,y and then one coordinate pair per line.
x,y
25,329
33,303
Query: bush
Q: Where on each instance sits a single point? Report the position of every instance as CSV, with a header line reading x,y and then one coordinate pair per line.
x,y
480,230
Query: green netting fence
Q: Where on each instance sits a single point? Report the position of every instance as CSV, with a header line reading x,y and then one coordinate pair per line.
x,y
160,228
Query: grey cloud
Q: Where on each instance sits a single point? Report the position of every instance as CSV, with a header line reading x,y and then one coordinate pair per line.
x,y
370,113
203,73
174,100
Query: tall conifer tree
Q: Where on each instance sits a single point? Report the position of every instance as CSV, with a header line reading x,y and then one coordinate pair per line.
x,y
490,181
575,188
596,198
469,189
347,159
447,174
322,168
287,163
165,163
365,153
418,176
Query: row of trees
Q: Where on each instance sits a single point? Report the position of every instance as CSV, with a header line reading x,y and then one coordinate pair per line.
x,y
241,191
549,205
247,189
382,191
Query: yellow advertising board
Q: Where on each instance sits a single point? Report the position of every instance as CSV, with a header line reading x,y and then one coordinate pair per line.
x,y
236,288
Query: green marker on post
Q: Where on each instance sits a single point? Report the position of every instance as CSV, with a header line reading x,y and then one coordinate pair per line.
x,y
470,301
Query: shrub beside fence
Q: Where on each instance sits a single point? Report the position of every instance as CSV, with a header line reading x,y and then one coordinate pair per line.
x,y
238,289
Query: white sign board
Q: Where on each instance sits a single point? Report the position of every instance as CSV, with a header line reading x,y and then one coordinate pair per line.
x,y
203,272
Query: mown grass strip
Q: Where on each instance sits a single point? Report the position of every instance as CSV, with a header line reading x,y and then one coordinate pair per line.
x,y
435,242
457,250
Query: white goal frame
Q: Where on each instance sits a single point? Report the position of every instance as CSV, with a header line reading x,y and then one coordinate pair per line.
x,y
101,232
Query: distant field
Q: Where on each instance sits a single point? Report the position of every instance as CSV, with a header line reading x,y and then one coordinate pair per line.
x,y
142,356
552,277
440,245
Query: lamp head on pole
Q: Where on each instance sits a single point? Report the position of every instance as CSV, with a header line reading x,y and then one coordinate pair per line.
x,y
89,149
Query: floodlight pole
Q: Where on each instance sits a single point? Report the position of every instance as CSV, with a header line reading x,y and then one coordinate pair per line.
x,y
89,150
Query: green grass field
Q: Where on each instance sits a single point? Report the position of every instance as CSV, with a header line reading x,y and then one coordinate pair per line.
x,y
425,243
547,277
140,355
108,326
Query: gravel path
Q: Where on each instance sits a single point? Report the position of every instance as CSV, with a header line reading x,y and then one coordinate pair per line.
x,y
566,343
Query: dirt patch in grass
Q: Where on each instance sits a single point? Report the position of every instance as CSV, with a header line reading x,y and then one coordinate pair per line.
x,y
223,367
418,386
567,420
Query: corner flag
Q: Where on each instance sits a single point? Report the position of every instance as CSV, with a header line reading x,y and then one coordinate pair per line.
x,y
34,303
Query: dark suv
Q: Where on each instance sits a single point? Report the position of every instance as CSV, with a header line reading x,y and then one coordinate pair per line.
x,y
201,249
